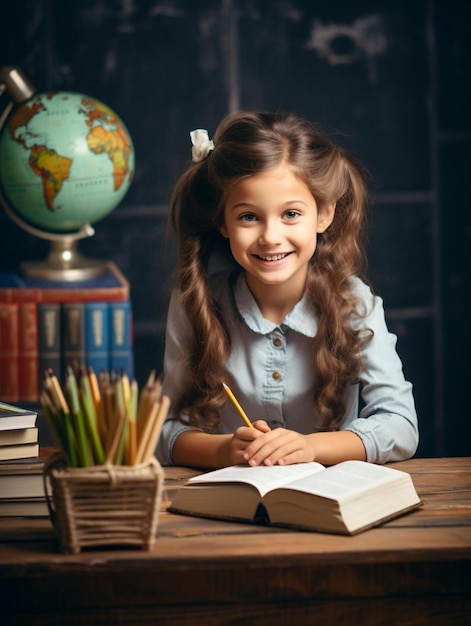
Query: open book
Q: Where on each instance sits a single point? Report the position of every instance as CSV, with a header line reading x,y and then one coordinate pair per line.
x,y
344,498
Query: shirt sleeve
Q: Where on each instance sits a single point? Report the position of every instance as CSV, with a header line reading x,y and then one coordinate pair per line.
x,y
178,338
387,423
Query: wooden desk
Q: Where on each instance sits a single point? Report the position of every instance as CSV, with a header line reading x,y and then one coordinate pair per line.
x,y
415,570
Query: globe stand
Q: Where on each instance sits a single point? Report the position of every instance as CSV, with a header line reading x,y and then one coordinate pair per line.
x,y
64,262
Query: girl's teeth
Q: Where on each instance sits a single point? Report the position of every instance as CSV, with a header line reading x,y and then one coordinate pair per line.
x,y
272,258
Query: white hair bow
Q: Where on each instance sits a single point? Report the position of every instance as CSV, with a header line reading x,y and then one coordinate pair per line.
x,y
202,144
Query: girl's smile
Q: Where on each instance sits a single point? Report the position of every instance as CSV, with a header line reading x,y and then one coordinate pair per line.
x,y
272,258
272,221
271,261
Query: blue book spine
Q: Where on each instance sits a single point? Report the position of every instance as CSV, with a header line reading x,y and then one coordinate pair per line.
x,y
121,336
97,351
49,339
73,334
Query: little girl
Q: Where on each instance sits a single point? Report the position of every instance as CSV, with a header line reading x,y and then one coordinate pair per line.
x,y
270,301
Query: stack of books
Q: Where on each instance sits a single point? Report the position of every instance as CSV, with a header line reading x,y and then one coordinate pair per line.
x,y
18,443
21,468
49,324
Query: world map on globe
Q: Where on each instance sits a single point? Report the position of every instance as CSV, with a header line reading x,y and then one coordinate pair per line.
x,y
66,160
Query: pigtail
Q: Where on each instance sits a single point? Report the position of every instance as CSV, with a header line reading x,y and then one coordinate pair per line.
x,y
338,257
209,352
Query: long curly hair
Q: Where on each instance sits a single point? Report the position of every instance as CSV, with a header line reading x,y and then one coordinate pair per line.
x,y
248,143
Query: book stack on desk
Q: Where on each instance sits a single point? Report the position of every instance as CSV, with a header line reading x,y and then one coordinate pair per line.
x,y
48,324
19,443
21,468
22,488
18,433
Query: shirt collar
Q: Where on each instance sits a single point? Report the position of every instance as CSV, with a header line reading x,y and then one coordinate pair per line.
x,y
300,319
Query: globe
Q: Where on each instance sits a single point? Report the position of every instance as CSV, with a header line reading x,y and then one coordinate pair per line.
x,y
66,160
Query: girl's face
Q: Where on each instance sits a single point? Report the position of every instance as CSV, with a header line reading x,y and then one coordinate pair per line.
x,y
272,221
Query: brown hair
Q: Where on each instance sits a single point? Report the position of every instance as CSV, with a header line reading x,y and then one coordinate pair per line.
x,y
247,143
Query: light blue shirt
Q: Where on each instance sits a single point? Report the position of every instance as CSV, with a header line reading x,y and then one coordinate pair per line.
x,y
274,375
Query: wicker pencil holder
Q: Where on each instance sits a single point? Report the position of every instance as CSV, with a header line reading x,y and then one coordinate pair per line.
x,y
104,505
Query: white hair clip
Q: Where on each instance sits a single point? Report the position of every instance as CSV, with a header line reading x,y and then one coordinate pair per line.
x,y
202,144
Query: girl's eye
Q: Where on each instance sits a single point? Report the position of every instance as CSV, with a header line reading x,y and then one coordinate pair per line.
x,y
247,217
292,214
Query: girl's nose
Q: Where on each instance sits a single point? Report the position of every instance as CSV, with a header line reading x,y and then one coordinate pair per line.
x,y
270,234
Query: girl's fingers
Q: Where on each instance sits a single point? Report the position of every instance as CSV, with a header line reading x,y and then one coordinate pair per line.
x,y
262,426
278,446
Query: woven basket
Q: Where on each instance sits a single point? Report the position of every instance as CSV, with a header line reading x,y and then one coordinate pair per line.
x,y
103,505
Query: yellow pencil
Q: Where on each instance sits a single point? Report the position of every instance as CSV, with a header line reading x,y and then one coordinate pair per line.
x,y
131,443
237,406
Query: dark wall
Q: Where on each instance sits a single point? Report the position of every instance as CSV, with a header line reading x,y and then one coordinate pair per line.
x,y
388,80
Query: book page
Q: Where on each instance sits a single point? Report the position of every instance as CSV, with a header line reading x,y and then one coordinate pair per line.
x,y
262,477
347,479
10,410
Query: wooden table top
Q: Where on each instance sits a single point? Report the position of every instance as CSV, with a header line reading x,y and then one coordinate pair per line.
x,y
212,572
441,526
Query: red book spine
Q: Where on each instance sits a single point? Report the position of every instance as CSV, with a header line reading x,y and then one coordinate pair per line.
x,y
28,352
36,294
9,345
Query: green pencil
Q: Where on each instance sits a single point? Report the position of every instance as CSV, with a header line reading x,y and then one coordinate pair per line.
x,y
83,448
88,405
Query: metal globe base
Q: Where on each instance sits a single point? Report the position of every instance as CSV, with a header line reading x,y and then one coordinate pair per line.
x,y
64,263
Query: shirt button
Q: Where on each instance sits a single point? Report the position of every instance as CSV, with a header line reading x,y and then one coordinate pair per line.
x,y
277,342
276,375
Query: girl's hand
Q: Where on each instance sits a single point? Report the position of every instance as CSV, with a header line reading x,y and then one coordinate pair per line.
x,y
279,446
242,438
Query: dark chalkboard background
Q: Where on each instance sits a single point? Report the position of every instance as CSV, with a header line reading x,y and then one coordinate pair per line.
x,y
390,80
